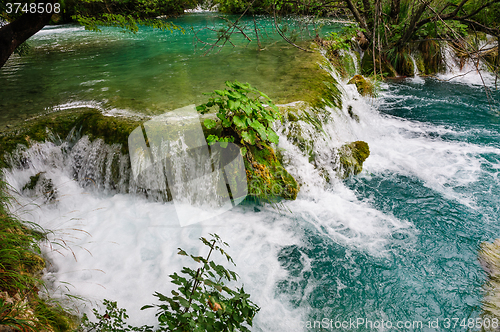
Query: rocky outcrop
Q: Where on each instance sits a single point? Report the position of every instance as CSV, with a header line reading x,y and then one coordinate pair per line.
x,y
364,87
489,257
351,158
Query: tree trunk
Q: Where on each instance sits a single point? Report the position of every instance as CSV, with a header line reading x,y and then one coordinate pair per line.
x,y
395,9
15,33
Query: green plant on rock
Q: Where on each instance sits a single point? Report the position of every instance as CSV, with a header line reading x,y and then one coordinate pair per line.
x,y
243,116
342,40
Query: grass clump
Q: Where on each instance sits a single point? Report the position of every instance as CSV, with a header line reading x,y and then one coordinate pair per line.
x,y
20,266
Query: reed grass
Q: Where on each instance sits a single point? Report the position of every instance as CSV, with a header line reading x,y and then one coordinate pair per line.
x,y
21,264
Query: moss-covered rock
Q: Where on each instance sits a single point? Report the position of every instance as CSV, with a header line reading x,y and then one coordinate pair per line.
x,y
489,257
87,121
351,158
267,179
365,88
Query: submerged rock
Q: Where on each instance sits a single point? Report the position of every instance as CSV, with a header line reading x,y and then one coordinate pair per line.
x,y
40,185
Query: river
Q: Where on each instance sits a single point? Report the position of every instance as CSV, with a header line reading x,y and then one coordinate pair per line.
x,y
398,243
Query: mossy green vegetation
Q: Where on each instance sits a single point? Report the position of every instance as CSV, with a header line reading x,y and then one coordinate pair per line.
x,y
432,59
489,257
91,122
364,86
351,158
382,65
267,179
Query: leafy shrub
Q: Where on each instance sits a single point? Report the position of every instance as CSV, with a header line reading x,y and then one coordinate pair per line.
x,y
202,302
242,114
342,40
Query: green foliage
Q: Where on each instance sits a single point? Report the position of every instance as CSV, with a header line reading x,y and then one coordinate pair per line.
x,y
242,115
240,6
342,40
20,262
95,13
113,320
19,250
10,317
202,301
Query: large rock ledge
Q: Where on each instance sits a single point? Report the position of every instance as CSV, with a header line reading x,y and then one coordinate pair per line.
x,y
267,179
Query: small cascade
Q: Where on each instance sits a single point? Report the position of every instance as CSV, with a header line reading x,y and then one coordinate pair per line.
x,y
416,78
94,165
354,60
468,71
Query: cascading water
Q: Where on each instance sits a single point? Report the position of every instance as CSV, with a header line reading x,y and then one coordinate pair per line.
x,y
416,78
398,242
469,71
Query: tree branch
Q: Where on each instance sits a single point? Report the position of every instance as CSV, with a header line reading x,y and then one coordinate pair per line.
x,y
17,32
360,20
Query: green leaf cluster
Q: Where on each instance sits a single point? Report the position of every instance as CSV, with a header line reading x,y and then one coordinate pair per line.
x,y
201,302
128,15
342,40
242,114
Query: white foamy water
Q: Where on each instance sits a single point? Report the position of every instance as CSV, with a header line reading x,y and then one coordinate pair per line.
x,y
470,72
110,240
416,78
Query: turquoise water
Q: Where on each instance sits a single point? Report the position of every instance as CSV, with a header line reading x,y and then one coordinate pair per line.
x,y
448,190
152,71
398,242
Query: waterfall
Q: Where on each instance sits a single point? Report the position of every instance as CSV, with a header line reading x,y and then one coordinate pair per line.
x,y
468,71
113,236
416,78
354,60
119,239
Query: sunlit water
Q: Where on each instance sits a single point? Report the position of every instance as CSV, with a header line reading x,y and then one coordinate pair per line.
x,y
152,71
396,243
